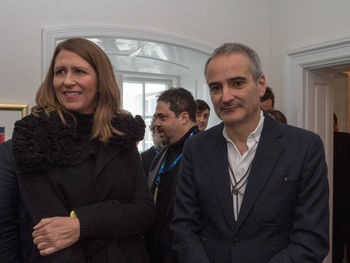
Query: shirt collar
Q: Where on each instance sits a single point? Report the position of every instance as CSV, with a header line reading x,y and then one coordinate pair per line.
x,y
254,135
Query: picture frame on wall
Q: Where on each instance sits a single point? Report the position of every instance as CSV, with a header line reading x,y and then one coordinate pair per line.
x,y
9,114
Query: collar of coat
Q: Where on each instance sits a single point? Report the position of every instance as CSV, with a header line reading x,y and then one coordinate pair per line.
x,y
40,143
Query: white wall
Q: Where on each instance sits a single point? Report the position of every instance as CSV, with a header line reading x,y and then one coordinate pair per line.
x,y
205,21
299,23
269,26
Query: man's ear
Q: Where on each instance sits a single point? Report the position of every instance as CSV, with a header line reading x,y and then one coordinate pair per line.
x,y
261,84
184,117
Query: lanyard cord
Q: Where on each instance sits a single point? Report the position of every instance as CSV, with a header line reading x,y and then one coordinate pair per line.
x,y
242,181
161,170
238,185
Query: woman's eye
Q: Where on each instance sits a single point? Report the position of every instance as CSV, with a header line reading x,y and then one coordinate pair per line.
x,y
79,71
59,72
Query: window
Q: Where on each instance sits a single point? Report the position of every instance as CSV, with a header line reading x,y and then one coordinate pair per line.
x,y
140,98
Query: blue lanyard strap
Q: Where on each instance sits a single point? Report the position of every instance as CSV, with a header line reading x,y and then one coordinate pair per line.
x,y
156,149
178,158
161,170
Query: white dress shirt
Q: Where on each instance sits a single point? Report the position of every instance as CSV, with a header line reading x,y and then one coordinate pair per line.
x,y
240,165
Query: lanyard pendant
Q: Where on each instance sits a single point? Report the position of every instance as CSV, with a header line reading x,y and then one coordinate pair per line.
x,y
155,195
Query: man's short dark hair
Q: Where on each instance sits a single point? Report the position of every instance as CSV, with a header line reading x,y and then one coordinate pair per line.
x,y
180,100
202,105
268,95
237,48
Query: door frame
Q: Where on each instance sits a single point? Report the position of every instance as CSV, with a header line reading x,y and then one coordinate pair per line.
x,y
295,99
296,62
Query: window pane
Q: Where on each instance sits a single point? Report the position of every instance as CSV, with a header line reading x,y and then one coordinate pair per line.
x,y
148,140
152,90
132,97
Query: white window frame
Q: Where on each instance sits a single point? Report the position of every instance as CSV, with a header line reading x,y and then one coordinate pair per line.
x,y
50,36
144,78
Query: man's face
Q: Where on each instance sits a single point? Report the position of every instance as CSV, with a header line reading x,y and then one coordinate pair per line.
x,y
168,126
202,118
235,95
266,104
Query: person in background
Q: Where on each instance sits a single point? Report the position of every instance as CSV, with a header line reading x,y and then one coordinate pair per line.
x,y
341,190
79,170
2,134
335,123
148,155
252,189
277,115
175,123
15,231
202,114
267,101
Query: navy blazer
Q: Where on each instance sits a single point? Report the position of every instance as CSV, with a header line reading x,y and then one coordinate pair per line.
x,y
15,224
284,216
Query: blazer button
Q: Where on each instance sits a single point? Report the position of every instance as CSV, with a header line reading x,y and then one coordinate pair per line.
x,y
235,240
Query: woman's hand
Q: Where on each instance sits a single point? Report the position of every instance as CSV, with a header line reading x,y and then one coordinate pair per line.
x,y
56,233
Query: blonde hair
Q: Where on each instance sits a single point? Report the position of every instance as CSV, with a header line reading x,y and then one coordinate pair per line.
x,y
108,93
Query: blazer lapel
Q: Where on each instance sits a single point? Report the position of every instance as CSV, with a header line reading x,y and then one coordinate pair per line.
x,y
217,150
267,154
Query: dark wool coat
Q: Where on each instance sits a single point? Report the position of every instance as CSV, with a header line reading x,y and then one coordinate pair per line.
x,y
103,183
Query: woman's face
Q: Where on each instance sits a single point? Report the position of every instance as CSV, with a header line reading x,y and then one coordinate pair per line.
x,y
75,82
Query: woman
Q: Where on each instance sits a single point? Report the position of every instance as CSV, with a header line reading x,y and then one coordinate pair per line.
x,y
80,173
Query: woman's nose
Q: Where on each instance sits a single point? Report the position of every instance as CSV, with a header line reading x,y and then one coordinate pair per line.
x,y
69,80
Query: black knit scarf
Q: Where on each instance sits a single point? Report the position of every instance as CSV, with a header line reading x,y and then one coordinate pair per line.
x,y
40,143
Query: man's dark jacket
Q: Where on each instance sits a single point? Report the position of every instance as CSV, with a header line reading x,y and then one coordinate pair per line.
x,y
159,239
284,216
15,224
147,158
341,182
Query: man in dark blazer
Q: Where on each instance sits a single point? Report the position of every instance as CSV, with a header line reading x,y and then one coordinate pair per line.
x,y
15,224
252,190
